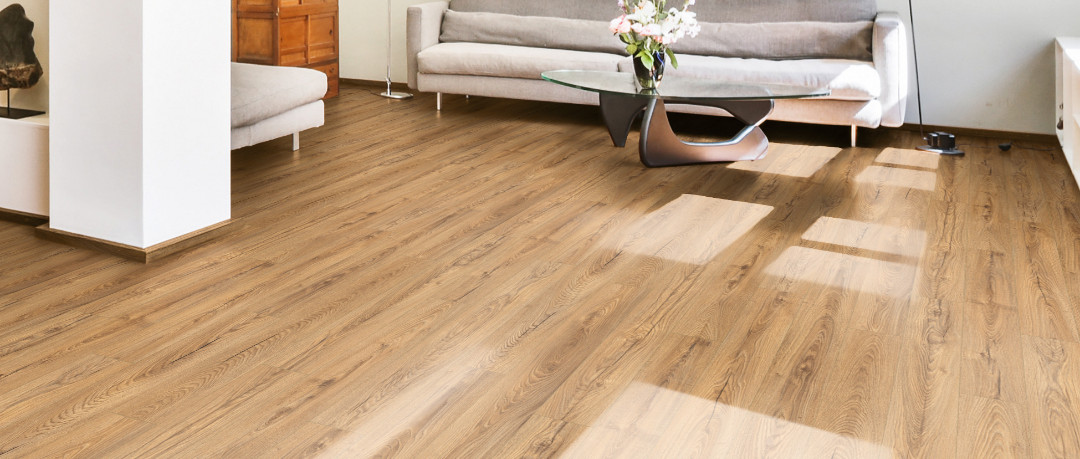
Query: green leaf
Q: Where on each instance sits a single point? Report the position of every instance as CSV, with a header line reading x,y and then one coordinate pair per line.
x,y
646,60
671,58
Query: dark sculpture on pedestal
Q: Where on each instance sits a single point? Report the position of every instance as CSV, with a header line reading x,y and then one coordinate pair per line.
x,y
19,66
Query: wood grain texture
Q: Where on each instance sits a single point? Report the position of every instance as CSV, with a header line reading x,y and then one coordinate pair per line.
x,y
497,280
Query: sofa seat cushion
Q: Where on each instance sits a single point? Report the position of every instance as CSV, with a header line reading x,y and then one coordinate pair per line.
x,y
263,91
848,79
506,61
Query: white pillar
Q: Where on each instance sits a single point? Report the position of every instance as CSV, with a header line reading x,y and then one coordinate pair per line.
x,y
139,114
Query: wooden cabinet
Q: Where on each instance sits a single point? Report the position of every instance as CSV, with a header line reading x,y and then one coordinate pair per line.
x,y
296,33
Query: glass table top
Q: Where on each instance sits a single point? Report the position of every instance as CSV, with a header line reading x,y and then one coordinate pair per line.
x,y
674,88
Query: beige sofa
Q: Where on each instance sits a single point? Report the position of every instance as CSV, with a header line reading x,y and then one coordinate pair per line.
x,y
498,48
270,102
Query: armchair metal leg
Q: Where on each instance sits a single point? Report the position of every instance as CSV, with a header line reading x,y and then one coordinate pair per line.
x,y
854,134
295,141
438,101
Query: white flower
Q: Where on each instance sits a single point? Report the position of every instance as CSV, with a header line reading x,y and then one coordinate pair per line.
x,y
647,29
644,12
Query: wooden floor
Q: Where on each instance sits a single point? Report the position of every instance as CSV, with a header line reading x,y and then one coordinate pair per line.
x,y
497,280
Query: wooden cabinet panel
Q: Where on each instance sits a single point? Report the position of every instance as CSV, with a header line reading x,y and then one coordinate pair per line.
x,y
299,33
293,41
331,71
255,40
321,32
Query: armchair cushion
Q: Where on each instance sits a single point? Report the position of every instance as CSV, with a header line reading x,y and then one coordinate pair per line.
x,y
263,91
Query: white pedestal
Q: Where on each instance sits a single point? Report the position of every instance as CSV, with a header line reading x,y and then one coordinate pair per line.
x,y
24,165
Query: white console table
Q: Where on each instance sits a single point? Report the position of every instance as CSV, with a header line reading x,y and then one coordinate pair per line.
x,y
1067,119
24,165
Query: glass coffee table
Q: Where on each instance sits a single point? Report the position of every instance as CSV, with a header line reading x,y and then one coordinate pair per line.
x,y
621,100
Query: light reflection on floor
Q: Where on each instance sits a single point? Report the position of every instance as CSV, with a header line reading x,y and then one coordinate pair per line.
x,y
867,236
802,163
899,178
691,229
377,419
843,271
650,422
913,158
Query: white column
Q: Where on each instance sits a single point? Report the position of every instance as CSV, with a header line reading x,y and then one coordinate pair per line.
x,y
139,112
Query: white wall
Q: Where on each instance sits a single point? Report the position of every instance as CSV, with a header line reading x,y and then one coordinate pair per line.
x,y
985,64
37,97
139,118
363,39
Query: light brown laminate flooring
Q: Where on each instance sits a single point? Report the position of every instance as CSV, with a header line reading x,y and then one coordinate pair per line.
x,y
497,280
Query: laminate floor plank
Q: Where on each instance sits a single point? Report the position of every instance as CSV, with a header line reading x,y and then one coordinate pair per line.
x,y
991,332
497,280
997,429
1048,312
1052,385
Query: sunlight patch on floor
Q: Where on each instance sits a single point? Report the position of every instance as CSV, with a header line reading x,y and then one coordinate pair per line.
x,y
845,272
899,178
691,229
648,421
867,236
406,402
913,158
794,162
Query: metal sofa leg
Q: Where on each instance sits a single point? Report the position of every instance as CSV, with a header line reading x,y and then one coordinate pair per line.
x,y
295,141
854,134
438,101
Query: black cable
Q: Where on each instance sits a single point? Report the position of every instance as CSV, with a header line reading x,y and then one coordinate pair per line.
x,y
915,53
1006,146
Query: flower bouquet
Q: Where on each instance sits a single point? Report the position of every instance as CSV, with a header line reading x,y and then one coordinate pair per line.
x,y
649,30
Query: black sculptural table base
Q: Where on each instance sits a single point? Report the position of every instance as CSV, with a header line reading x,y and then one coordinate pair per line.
x,y
660,147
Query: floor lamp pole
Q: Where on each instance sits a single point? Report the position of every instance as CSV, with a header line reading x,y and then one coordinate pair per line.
x,y
389,93
941,142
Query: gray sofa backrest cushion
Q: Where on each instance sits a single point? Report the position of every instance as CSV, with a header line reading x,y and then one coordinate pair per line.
x,y
742,11
595,10
764,29
782,40
532,31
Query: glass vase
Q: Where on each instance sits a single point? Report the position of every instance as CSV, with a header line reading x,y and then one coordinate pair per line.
x,y
649,77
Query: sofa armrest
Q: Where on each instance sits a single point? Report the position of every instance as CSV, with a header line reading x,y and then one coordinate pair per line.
x,y
423,26
890,52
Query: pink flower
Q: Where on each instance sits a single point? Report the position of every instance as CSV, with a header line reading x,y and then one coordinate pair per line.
x,y
651,30
620,25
